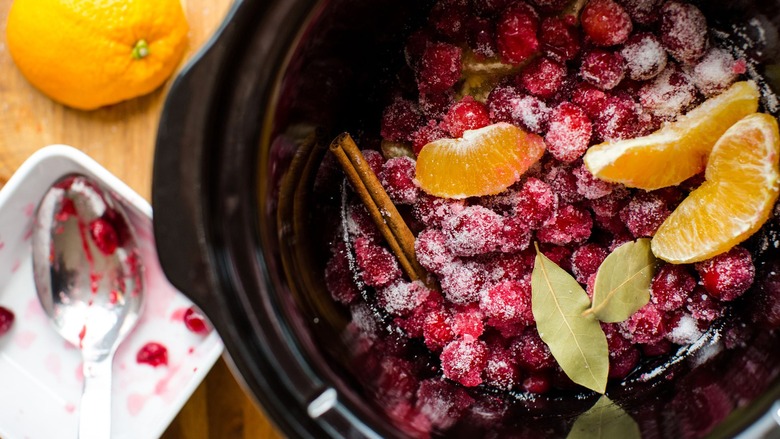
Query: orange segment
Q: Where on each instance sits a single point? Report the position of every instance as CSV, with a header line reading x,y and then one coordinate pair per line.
x,y
677,151
742,185
483,162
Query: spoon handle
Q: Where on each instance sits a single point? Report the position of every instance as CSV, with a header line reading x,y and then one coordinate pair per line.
x,y
95,413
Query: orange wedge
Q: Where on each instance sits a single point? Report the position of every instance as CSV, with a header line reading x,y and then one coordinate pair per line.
x,y
484,161
677,151
742,185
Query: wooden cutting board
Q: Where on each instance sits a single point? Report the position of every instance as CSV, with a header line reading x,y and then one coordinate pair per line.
x,y
121,138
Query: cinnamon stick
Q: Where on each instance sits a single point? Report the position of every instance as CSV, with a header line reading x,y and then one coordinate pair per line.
x,y
382,210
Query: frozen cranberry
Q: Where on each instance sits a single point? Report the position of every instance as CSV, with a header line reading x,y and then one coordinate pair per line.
x,y
563,182
671,287
397,178
153,354
702,306
683,31
401,298
610,205
531,352
462,281
561,255
434,212
400,119
644,214
569,133
377,265
397,379
104,236
339,280
684,329
572,224
589,98
374,159
516,33
618,119
621,365
616,343
586,259
467,321
437,329
439,68
560,38
442,402
415,46
642,11
716,71
359,223
473,231
468,114
644,55
435,105
6,320
516,235
589,186
480,34
431,250
543,77
194,321
426,134
449,20
728,275
602,68
647,325
536,202
669,94
501,370
538,382
463,360
507,302
605,22
507,104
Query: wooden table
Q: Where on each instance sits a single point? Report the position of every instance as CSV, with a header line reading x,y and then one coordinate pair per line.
x,y
121,138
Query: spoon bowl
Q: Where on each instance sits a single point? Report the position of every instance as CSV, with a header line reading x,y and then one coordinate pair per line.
x,y
89,279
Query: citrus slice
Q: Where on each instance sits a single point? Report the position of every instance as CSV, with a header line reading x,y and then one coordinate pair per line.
x,y
677,151
741,187
484,161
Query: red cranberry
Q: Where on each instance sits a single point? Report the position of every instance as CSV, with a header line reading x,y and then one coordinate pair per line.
x,y
536,202
560,38
616,343
507,302
569,133
572,224
195,322
400,119
480,34
431,250
104,236
702,306
439,68
669,94
374,159
415,46
427,134
531,352
619,119
644,214
377,265
605,22
475,230
671,287
543,77
462,281
610,205
359,223
449,20
538,382
463,361
516,33
434,211
153,354
559,254
397,178
684,329
591,187
563,182
501,370
642,11
435,105
644,55
437,330
396,380
442,402
585,261
716,71
506,104
728,275
6,320
401,298
603,69
338,278
516,235
589,98
468,114
683,31
647,325
621,365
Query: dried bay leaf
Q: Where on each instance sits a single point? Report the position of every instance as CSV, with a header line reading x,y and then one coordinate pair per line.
x,y
604,420
576,340
623,281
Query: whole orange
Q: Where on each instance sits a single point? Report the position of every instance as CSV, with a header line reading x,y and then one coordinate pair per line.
x,y
91,53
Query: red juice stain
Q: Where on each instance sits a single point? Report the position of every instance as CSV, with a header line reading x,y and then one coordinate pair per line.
x,y
190,350
194,321
113,297
6,320
153,354
82,333
85,244
94,281
67,209
104,235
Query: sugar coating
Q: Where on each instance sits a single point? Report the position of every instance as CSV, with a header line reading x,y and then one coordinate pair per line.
x,y
644,55
569,133
669,94
685,331
716,71
463,360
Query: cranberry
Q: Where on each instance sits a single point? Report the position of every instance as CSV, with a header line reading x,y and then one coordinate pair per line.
x,y
619,119
359,223
585,261
508,302
589,98
647,325
468,114
602,68
439,68
195,322
449,20
435,105
338,278
671,287
6,320
661,347
644,214
701,305
466,321
396,380
104,236
442,402
683,31
669,94
642,11
538,382
684,328
559,254
728,275
400,119
437,330
480,33
463,360
560,177
434,211
610,205
531,352
536,202
427,134
589,186
616,343
489,7
516,33
644,55
569,133
572,224
605,22
473,231
374,160
516,235
415,47
397,178
560,38
431,250
401,298
153,354
543,77
716,71
507,104
501,370
377,265
621,365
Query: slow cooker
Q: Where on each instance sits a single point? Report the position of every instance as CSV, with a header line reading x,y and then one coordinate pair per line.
x,y
240,218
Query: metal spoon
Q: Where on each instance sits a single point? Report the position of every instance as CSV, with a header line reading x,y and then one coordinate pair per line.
x,y
89,279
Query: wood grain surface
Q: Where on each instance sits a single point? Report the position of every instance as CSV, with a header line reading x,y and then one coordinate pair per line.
x,y
121,138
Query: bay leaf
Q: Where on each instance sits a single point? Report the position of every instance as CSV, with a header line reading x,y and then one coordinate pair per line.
x,y
623,281
576,340
605,420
